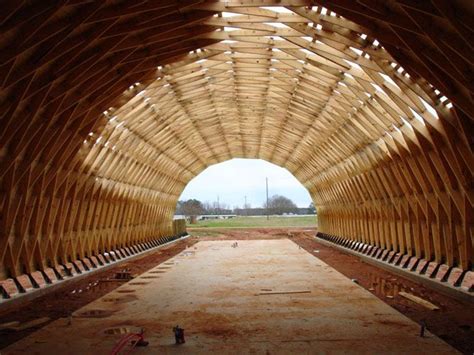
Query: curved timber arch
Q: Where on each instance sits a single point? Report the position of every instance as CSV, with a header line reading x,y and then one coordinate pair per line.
x,y
109,109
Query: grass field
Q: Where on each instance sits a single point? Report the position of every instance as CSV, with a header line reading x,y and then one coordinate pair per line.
x,y
260,221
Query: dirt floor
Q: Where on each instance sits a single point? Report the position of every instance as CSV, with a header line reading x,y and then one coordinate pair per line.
x,y
453,323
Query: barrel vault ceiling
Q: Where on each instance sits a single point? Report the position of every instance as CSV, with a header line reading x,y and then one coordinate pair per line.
x,y
109,108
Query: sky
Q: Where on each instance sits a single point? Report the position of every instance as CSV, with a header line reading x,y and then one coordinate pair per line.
x,y
234,179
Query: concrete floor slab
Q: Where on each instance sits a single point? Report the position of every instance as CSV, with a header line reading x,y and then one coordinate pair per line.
x,y
265,296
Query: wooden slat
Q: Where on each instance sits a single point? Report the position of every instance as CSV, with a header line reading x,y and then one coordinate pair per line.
x,y
108,110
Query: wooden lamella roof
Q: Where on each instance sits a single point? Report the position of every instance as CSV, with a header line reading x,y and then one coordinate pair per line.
x,y
109,109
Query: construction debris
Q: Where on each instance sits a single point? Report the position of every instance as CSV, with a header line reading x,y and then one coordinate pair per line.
x,y
281,292
9,325
123,275
419,300
17,326
179,335
422,328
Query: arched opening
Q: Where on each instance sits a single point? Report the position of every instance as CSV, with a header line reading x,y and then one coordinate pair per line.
x,y
239,188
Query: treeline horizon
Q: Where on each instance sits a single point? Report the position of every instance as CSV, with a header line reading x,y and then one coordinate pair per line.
x,y
277,205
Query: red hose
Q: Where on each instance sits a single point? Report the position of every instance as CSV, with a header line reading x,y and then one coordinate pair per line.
x,y
124,341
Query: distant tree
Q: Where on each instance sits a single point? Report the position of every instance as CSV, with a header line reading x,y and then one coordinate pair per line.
x,y
216,208
208,209
190,207
311,208
179,208
278,204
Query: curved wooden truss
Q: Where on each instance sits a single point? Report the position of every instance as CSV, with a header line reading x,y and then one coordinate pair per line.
x,y
348,107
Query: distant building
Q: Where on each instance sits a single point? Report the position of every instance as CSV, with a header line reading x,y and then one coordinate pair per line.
x,y
215,216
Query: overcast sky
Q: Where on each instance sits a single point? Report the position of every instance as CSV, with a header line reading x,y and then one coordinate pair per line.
x,y
237,178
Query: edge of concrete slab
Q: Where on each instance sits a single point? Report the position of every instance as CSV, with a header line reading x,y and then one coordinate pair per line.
x,y
434,284
8,303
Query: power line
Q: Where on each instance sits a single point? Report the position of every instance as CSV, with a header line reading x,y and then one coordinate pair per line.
x,y
266,183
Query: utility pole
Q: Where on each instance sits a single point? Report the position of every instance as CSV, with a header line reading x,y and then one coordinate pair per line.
x,y
266,183
245,205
